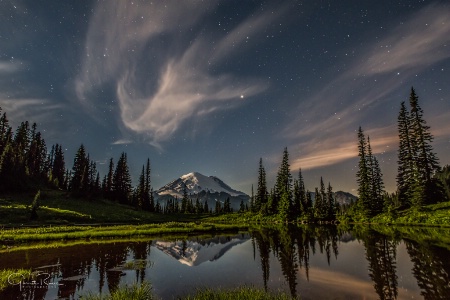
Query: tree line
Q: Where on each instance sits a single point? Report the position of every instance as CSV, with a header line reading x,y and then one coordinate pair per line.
x,y
26,164
289,200
420,179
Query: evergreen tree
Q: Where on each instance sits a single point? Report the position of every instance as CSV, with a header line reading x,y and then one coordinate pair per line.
x,y
302,193
107,191
227,205
405,161
376,185
426,162
218,208
296,201
206,208
252,201
444,177
79,171
332,208
318,204
261,192
122,181
363,175
242,206
4,128
184,201
283,189
309,204
140,191
321,202
148,191
58,167
198,206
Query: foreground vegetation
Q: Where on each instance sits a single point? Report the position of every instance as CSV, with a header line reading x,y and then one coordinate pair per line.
x,y
144,292
5,276
22,235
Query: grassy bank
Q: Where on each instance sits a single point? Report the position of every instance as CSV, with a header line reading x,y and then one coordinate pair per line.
x,y
143,291
13,236
56,208
437,236
431,215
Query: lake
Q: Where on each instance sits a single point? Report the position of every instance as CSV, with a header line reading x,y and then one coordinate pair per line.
x,y
314,262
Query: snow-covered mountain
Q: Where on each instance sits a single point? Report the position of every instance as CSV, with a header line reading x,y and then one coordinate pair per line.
x,y
195,183
195,252
205,188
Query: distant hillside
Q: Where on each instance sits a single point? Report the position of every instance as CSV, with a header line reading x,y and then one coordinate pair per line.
x,y
344,197
340,197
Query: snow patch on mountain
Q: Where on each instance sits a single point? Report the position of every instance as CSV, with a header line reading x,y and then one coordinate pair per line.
x,y
194,183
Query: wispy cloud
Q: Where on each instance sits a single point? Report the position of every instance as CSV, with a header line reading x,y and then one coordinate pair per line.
x,y
160,88
341,106
17,101
23,109
8,67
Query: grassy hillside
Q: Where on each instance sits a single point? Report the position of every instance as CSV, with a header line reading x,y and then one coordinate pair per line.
x,y
434,215
57,208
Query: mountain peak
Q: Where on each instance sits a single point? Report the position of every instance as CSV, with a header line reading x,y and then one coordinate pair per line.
x,y
194,183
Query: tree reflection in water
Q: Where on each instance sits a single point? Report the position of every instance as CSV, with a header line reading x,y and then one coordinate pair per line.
x,y
100,267
381,256
292,246
431,269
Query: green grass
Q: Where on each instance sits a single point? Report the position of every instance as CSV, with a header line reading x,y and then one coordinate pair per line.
x,y
430,215
240,293
57,208
11,275
133,292
16,236
144,291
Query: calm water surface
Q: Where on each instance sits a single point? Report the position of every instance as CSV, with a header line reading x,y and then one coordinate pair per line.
x,y
312,262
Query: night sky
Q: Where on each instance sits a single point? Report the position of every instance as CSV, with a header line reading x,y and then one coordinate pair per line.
x,y
212,86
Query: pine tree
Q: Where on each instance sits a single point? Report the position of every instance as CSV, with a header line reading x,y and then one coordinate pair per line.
x,y
426,162
261,192
376,185
283,189
331,203
242,206
184,201
302,193
122,180
107,191
218,208
363,175
405,175
318,204
378,188
321,204
227,205
58,166
140,191
79,171
4,128
148,191
252,201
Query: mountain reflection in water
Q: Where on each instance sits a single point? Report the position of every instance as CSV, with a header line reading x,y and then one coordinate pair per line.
x,y
308,261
